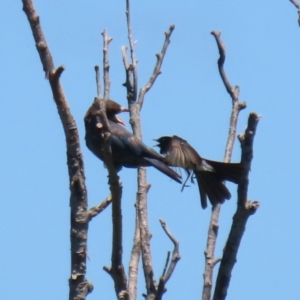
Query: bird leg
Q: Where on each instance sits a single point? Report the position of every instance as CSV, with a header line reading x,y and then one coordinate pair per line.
x,y
189,173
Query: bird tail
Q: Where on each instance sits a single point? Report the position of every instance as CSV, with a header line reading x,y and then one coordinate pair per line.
x,y
233,172
211,186
162,167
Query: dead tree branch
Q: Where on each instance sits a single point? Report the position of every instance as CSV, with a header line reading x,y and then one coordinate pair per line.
x,y
134,259
79,285
117,269
237,106
245,209
135,106
106,41
98,85
169,268
97,209
297,5
157,69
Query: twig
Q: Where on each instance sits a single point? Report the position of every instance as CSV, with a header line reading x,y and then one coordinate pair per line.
x,y
98,80
106,41
234,94
297,5
157,69
245,209
79,285
166,263
237,106
97,209
167,273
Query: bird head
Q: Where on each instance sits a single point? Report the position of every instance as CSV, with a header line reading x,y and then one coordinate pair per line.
x,y
164,144
112,109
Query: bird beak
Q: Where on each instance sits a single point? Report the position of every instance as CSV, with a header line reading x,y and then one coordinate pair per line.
x,y
119,120
124,109
155,141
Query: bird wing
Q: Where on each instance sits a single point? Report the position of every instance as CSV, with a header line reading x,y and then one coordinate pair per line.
x,y
181,154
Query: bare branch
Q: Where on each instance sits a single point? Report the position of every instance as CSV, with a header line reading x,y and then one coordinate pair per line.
x,y
175,258
297,5
98,84
117,269
143,186
237,106
40,41
79,285
106,41
97,209
145,235
131,87
134,81
157,69
134,259
245,209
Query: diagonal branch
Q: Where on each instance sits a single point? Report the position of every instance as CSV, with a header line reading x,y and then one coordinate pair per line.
x,y
79,285
97,209
297,5
237,106
244,210
157,68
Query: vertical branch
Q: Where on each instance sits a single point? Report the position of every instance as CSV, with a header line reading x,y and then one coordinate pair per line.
x,y
134,259
237,106
106,41
141,205
79,285
132,89
117,269
98,85
244,210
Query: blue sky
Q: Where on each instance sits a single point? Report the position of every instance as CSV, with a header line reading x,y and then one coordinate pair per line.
x,y
262,43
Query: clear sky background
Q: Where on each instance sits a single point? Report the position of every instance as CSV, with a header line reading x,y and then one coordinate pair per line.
x,y
263,45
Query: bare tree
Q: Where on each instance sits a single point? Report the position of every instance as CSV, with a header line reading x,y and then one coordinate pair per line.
x,y
80,214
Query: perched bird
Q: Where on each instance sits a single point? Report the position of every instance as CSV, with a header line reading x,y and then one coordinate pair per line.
x,y
127,150
209,174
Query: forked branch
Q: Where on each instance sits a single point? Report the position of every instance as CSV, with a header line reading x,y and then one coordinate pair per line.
x,y
142,235
237,106
245,208
169,266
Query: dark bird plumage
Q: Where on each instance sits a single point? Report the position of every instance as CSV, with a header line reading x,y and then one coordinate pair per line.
x,y
112,109
209,174
127,150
